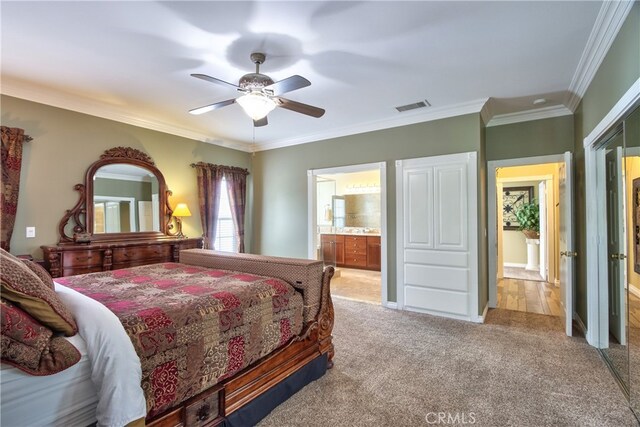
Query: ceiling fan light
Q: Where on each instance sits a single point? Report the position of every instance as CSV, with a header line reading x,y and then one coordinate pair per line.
x,y
256,105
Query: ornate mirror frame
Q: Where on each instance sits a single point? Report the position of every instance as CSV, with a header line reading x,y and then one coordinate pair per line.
x,y
81,215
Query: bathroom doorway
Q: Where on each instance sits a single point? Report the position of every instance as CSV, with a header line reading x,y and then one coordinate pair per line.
x,y
347,229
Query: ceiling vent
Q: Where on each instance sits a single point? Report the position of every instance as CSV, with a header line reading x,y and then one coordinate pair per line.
x,y
419,104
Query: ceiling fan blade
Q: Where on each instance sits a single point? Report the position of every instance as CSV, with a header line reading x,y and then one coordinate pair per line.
x,y
207,108
299,107
287,85
262,122
214,80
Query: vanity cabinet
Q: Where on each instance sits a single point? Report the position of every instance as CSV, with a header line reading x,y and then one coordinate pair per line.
x,y
70,260
374,259
351,251
332,249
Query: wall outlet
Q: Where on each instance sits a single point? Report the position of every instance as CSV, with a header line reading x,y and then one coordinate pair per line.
x,y
31,232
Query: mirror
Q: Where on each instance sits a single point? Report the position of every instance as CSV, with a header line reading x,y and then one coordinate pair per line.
x,y
632,151
618,164
124,197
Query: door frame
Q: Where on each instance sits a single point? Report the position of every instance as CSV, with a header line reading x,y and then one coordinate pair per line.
x,y
492,215
312,216
594,215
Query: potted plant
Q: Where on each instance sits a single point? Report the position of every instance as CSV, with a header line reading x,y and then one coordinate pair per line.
x,y
529,218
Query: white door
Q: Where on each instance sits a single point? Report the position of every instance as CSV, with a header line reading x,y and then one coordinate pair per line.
x,y
112,217
567,251
437,235
615,244
542,203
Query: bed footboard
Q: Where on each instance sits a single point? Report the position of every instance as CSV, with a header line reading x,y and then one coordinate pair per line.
x,y
315,340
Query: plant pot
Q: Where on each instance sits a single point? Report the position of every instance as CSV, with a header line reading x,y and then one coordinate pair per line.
x,y
531,234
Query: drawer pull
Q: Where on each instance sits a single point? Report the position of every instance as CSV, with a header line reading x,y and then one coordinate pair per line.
x,y
203,412
86,258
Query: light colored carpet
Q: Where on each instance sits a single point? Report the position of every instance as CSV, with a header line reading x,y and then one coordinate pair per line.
x,y
521,273
395,368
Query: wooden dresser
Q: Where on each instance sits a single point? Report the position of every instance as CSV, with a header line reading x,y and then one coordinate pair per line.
x,y
72,259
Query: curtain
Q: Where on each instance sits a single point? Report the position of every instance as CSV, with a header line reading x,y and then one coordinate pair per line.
x,y
237,189
209,184
12,139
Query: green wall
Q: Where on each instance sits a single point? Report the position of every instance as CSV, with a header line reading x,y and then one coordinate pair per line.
x,y
619,70
141,191
528,139
280,178
65,143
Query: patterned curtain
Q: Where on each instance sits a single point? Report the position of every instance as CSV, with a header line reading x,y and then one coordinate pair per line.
x,y
237,188
12,139
209,182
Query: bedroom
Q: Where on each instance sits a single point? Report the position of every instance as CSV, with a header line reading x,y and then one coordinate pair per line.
x,y
70,133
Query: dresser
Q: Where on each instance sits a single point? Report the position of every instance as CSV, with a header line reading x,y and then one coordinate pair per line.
x,y
72,259
352,251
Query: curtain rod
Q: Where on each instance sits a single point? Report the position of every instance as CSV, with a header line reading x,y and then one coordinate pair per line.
x,y
27,138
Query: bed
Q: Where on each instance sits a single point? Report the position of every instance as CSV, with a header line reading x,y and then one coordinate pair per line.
x,y
283,331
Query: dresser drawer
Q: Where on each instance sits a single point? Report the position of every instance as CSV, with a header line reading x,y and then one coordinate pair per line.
x,y
82,259
203,411
355,260
140,253
355,242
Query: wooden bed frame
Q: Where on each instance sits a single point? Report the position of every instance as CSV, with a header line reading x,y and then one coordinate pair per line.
x,y
212,406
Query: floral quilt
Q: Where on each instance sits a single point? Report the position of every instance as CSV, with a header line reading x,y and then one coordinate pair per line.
x,y
191,326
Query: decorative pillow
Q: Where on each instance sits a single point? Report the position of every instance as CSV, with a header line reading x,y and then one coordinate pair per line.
x,y
23,287
31,347
40,272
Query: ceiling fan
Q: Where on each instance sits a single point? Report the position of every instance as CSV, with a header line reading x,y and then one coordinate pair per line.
x,y
261,94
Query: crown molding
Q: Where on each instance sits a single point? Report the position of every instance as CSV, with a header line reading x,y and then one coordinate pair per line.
x,y
608,23
48,96
432,113
529,115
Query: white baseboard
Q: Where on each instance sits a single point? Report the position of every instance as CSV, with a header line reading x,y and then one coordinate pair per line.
x,y
514,264
635,291
391,304
480,319
580,324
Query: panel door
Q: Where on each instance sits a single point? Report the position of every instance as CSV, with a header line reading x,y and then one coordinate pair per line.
x,y
567,258
436,256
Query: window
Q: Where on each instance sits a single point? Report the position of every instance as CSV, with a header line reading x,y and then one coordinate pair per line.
x,y
225,231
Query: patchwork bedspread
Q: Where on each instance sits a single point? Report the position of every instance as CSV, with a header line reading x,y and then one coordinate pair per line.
x,y
193,326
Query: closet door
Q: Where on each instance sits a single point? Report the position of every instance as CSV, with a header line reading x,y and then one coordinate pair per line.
x,y
437,235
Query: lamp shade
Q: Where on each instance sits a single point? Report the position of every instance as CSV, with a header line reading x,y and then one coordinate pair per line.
x,y
181,210
256,105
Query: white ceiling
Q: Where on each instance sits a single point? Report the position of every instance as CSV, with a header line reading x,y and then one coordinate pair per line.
x,y
131,61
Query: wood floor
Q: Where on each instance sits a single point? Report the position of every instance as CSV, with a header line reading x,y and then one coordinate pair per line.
x,y
529,296
360,285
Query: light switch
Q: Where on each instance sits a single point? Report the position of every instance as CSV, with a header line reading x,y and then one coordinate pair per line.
x,y
31,232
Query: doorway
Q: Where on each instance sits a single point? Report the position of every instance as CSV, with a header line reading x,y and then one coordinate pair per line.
x,y
528,260
550,255
347,229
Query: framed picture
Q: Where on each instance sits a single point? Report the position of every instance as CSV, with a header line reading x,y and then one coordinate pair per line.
x,y
636,225
512,199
